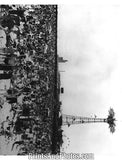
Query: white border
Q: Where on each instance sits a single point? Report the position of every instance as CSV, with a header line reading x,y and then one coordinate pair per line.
x,y
68,2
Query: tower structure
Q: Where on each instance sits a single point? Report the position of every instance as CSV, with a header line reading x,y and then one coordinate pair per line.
x,y
71,120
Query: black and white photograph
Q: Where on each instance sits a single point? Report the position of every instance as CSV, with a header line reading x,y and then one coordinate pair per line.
x,y
61,81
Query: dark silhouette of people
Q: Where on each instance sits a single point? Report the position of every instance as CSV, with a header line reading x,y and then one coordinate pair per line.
x,y
5,67
11,100
17,12
5,76
9,21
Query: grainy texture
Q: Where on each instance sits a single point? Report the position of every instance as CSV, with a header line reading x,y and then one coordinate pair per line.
x,y
28,76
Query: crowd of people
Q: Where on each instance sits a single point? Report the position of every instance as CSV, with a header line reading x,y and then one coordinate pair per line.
x,y
28,60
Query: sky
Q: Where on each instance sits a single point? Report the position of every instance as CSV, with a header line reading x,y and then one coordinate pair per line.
x,y
89,37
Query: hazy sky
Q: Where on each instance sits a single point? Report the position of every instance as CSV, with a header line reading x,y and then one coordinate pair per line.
x,y
90,38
